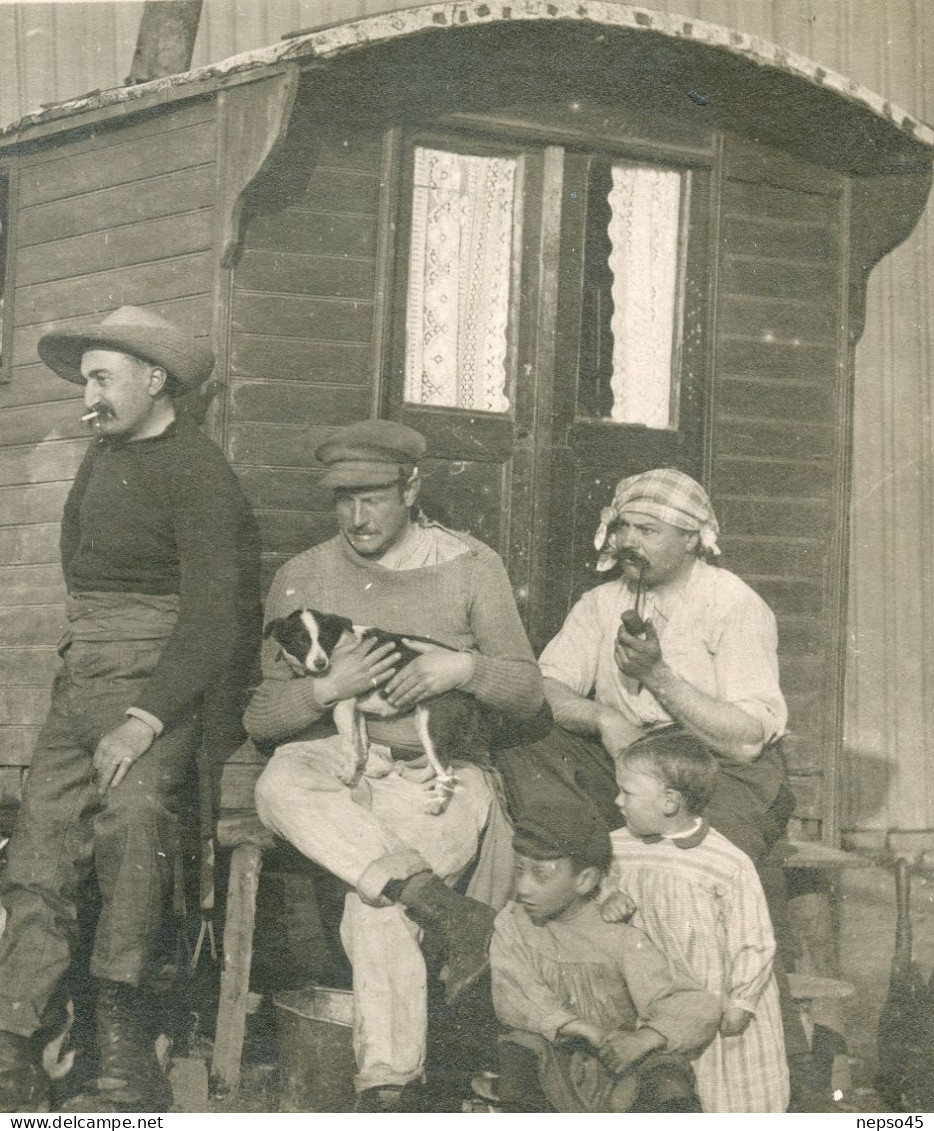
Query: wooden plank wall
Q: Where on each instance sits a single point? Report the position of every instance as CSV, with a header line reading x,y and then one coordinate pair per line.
x,y
303,306
126,217
775,402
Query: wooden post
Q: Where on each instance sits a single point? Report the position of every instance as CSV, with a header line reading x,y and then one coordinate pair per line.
x,y
166,40
245,866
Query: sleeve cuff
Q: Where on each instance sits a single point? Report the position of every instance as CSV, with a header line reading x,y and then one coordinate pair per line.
x,y
552,1022
743,1003
149,720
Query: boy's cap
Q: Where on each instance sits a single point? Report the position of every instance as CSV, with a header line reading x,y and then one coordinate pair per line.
x,y
574,832
370,453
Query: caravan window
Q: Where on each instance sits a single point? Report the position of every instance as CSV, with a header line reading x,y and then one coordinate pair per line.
x,y
631,300
459,280
473,260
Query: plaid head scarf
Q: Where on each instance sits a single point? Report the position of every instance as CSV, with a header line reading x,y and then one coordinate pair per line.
x,y
666,494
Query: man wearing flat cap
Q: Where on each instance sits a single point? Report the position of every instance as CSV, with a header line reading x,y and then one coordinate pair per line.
x,y
704,656
391,568
160,553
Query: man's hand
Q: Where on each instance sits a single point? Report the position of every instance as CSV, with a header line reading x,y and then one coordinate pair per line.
x,y
617,908
435,671
357,666
638,656
734,1021
581,1030
621,1050
616,733
119,749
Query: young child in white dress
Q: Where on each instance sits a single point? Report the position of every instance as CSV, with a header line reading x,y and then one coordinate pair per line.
x,y
699,899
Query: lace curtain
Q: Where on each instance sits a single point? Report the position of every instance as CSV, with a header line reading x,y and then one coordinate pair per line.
x,y
643,233
459,272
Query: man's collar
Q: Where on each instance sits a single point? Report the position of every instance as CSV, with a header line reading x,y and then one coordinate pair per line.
x,y
121,442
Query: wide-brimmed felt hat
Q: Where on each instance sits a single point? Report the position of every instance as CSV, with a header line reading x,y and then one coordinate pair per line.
x,y
135,331
370,453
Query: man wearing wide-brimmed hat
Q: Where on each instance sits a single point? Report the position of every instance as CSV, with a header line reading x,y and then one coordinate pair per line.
x,y
160,554
398,571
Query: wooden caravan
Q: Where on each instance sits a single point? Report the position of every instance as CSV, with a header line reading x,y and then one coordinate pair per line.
x,y
567,241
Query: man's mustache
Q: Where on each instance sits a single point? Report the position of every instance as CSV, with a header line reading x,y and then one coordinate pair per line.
x,y
635,557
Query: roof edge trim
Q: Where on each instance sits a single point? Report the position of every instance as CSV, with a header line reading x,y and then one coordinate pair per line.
x,y
336,39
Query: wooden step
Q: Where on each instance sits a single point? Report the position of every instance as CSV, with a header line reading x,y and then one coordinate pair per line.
x,y
813,854
815,987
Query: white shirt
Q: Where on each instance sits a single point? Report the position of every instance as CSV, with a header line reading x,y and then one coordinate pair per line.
x,y
716,633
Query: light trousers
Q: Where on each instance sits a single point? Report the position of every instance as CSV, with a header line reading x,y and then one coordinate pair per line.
x,y
376,832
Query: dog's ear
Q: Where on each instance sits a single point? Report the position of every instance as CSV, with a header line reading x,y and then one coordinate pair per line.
x,y
273,628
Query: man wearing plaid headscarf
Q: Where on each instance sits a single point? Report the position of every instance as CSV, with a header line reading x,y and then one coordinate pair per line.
x,y
670,639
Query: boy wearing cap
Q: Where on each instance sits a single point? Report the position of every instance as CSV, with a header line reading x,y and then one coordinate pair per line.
x,y
391,568
160,553
597,1019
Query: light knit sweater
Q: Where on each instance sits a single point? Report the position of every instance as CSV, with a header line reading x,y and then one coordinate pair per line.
x,y
466,603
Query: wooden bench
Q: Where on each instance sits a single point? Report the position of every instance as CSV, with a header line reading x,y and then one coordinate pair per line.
x,y
238,828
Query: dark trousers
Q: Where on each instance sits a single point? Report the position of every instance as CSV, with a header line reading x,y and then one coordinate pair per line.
x,y
538,776
64,829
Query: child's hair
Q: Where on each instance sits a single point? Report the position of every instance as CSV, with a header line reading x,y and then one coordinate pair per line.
x,y
679,761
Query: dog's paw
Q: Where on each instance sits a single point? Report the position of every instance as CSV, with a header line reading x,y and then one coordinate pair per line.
x,y
350,775
439,792
379,763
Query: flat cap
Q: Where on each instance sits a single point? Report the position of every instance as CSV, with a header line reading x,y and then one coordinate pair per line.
x,y
370,453
576,831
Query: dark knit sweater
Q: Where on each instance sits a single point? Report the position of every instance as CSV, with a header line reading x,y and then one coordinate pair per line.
x,y
160,516
466,603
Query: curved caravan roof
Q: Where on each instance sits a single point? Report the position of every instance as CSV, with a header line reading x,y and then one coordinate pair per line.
x,y
755,83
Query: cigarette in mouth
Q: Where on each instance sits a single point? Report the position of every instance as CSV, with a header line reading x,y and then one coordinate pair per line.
x,y
96,413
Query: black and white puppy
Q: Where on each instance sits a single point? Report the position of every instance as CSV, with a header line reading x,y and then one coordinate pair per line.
x,y
449,723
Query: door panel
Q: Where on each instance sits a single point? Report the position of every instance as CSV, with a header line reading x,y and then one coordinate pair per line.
x,y
531,481
590,456
483,470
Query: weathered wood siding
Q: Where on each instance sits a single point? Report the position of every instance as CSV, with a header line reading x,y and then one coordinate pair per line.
x,y
58,50
775,460
302,321
125,217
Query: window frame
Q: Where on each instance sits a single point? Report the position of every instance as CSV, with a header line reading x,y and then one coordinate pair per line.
x,y
684,238
472,145
527,142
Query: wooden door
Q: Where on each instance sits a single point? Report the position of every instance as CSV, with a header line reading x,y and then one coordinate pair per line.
x,y
485,457
530,475
593,449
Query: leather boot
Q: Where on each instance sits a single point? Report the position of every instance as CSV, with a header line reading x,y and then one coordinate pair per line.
x,y
23,1085
131,1078
388,1099
463,925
